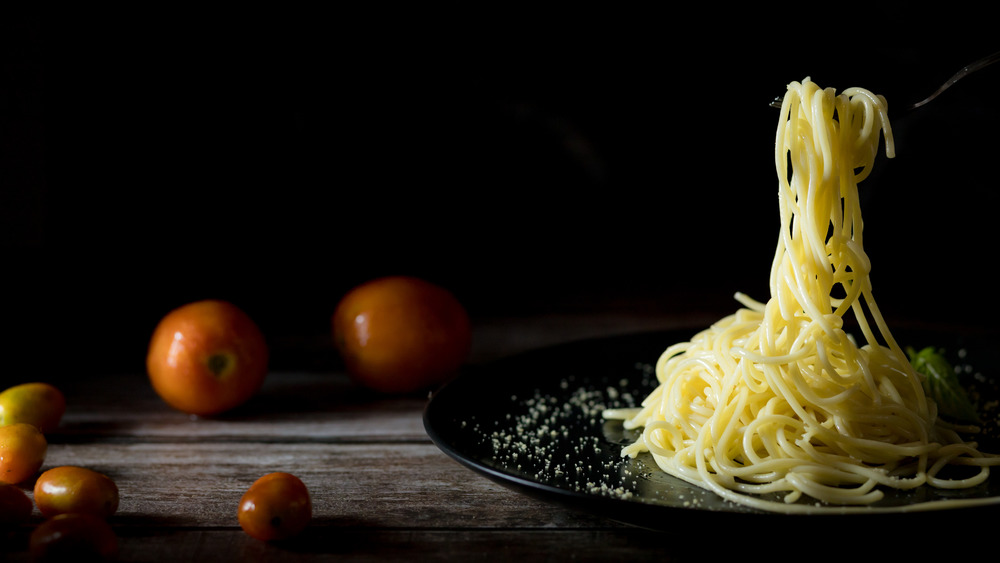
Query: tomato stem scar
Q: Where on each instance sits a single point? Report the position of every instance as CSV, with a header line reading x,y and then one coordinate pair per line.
x,y
217,364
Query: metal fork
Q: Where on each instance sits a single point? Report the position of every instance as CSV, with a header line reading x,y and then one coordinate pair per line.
x,y
965,71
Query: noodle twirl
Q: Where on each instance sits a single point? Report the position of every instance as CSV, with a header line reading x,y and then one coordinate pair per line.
x,y
778,397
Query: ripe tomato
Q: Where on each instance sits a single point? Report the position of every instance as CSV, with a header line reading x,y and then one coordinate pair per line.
x,y
15,506
207,357
40,404
277,506
75,489
22,451
400,334
73,537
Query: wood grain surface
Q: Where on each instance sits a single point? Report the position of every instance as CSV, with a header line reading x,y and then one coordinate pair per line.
x,y
381,489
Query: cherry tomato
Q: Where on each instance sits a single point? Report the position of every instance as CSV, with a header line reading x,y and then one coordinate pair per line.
x,y
15,506
73,537
277,506
207,357
40,404
75,489
22,451
401,334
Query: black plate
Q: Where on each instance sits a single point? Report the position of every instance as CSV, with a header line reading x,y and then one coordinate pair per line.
x,y
533,422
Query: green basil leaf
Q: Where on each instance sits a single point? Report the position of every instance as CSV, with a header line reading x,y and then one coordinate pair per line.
x,y
940,383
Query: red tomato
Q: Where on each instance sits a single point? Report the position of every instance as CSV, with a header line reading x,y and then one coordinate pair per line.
x,y
75,489
401,334
207,357
73,537
276,507
22,452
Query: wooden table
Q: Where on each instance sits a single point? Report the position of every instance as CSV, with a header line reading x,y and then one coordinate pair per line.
x,y
381,489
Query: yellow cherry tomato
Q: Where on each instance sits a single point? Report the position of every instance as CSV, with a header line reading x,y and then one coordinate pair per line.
x,y
40,404
277,506
68,488
22,451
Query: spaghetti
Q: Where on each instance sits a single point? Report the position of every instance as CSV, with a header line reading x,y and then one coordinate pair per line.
x,y
777,399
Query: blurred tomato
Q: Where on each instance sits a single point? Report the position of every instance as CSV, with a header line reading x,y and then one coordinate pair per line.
x,y
15,506
207,357
22,452
400,334
73,537
37,403
275,507
75,489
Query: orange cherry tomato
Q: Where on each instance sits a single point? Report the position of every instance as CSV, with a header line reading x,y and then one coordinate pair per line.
x,y
277,506
75,489
73,537
207,357
15,506
22,451
40,404
400,334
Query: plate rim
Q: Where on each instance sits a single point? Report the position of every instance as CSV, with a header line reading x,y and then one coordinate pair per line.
x,y
587,501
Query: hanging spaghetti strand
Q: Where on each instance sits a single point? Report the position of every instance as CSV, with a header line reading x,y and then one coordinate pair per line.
x,y
778,398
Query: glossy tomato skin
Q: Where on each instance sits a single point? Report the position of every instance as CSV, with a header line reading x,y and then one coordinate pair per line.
x,y
22,452
275,507
68,488
15,506
73,537
207,357
38,403
400,334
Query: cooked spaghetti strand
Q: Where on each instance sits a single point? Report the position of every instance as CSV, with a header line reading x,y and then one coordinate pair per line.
x,y
777,397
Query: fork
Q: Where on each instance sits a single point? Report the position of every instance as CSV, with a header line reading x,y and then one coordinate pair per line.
x,y
962,73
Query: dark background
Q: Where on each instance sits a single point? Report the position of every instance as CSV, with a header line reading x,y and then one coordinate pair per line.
x,y
562,161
